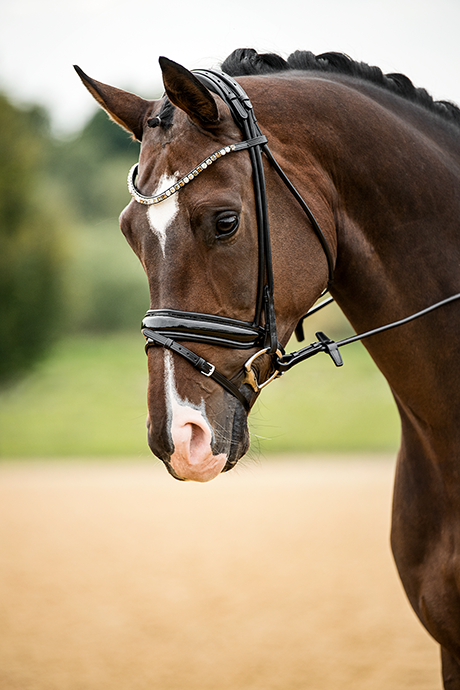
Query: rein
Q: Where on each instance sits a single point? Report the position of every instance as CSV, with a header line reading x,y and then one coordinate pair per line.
x,y
331,347
164,327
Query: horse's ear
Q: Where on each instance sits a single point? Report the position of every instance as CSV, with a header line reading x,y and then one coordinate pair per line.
x,y
126,109
188,93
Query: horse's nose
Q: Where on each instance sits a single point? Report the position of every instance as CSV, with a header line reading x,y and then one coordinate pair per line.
x,y
192,438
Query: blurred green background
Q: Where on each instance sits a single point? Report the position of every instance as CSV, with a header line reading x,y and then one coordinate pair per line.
x,y
72,366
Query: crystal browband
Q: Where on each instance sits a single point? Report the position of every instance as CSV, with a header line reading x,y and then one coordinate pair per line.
x,y
149,200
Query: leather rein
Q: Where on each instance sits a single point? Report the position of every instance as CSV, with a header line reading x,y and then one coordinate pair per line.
x,y
165,327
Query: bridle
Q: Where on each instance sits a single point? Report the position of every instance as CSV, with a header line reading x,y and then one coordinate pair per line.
x,y
166,327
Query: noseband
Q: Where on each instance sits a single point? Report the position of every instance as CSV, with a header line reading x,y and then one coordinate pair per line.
x,y
165,327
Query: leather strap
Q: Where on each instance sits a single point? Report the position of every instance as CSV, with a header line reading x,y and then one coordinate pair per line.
x,y
243,113
202,365
206,328
331,347
255,141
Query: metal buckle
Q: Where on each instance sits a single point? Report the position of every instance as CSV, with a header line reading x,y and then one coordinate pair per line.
x,y
250,377
211,370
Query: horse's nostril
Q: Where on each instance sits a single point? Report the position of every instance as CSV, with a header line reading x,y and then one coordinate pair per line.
x,y
199,443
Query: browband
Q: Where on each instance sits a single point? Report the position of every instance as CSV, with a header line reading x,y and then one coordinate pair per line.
x,y
150,200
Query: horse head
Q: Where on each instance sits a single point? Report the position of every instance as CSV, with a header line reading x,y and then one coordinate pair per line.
x,y
193,223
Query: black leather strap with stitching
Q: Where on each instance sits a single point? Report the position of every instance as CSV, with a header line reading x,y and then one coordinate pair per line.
x,y
255,141
202,365
243,113
205,328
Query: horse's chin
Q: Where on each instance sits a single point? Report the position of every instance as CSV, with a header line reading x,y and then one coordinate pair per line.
x,y
208,468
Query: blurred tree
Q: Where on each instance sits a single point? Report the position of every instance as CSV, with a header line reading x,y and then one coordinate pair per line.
x,y
31,250
93,166
107,287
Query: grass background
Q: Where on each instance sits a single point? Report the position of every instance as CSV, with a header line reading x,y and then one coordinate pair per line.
x,y
89,399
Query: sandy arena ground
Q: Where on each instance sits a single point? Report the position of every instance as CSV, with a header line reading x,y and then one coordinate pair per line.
x,y
276,576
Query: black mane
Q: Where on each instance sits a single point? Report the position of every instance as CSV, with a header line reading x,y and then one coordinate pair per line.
x,y
246,61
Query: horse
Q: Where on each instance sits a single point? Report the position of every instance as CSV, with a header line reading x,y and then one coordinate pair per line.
x,y
368,208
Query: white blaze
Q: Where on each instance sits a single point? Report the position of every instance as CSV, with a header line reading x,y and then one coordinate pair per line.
x,y
160,216
177,408
191,433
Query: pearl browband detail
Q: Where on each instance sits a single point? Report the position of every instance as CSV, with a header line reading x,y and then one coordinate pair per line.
x,y
149,200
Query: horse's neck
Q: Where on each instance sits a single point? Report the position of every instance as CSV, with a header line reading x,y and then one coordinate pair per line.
x,y
398,217
394,171
399,252
397,209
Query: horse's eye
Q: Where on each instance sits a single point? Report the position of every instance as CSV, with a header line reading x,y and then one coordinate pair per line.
x,y
227,225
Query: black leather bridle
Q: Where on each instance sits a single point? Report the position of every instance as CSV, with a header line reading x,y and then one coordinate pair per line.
x,y
166,327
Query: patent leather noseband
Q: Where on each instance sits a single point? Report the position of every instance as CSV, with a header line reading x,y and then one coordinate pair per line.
x,y
166,326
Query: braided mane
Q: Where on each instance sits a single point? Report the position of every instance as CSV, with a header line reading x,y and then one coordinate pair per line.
x,y
246,61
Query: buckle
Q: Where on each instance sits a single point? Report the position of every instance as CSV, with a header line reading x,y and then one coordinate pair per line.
x,y
211,371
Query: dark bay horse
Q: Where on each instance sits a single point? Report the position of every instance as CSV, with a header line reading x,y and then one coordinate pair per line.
x,y
378,163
